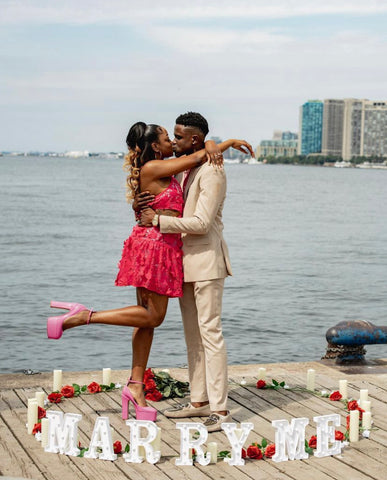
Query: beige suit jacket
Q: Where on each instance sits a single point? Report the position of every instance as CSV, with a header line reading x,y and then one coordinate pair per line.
x,y
205,251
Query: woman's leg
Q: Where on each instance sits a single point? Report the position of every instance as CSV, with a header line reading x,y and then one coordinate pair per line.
x,y
147,315
139,316
141,345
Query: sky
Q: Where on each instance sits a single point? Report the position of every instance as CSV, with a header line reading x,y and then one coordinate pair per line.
x,y
76,74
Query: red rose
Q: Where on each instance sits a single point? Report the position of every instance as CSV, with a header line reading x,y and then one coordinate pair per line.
x,y
244,453
150,385
37,428
261,384
335,396
117,446
154,396
313,441
270,450
361,411
67,391
55,397
348,421
339,435
254,452
41,413
148,374
352,405
94,387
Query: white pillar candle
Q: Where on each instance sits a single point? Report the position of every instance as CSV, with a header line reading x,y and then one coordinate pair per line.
x,y
366,405
366,420
32,414
45,423
343,389
106,374
212,447
354,426
310,379
57,381
363,396
40,399
261,373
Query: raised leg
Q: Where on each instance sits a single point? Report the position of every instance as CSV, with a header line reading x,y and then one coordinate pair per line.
x,y
139,316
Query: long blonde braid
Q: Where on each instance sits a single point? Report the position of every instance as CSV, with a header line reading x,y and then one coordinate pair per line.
x,y
133,179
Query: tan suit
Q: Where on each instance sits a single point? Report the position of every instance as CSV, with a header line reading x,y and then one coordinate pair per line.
x,y
206,263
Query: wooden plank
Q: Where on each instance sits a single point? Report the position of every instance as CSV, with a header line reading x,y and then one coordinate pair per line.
x,y
14,460
362,460
93,406
52,466
109,402
330,466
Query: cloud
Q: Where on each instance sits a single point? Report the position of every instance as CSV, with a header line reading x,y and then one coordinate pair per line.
x,y
196,40
143,11
248,77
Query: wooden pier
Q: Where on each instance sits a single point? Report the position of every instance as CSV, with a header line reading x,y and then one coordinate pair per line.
x,y
21,455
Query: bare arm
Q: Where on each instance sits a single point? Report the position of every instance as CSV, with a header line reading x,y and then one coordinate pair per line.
x,y
240,145
156,169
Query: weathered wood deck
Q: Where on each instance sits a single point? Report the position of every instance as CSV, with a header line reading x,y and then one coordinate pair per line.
x,y
21,454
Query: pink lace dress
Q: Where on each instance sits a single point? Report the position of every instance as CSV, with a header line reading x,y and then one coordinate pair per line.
x,y
152,259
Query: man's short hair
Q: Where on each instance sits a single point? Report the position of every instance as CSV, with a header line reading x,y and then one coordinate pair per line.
x,y
193,119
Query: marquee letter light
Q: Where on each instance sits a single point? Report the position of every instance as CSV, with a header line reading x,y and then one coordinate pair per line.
x,y
63,433
101,438
137,441
186,443
237,438
290,439
326,435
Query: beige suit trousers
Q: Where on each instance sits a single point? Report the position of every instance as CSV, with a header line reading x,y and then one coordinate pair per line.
x,y
201,307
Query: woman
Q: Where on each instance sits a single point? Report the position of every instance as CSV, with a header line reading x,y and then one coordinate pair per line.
x,y
151,261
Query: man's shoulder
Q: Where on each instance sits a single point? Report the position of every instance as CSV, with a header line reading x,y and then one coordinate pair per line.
x,y
208,169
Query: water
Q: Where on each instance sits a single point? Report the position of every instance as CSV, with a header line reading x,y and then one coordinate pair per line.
x,y
308,248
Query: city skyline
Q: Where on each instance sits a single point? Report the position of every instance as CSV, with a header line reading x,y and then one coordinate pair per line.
x,y
76,75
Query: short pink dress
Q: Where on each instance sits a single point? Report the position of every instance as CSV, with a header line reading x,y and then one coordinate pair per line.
x,y
152,259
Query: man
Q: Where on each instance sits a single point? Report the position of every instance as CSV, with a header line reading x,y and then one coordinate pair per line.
x,y
206,264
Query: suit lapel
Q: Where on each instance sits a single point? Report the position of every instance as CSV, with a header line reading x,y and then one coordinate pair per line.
x,y
191,178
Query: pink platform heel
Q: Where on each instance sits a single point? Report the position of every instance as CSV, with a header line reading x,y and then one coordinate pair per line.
x,y
142,413
55,324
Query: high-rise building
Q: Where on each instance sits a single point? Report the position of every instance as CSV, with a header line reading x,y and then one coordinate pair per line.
x,y
374,129
352,128
310,133
332,132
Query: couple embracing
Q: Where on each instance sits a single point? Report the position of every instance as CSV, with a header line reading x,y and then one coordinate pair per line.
x,y
178,203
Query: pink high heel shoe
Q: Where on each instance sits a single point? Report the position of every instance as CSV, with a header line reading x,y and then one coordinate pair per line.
x,y
55,324
142,413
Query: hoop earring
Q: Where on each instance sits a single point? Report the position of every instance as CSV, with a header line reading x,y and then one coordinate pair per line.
x,y
159,155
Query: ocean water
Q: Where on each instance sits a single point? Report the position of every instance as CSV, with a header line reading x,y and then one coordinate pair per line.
x,y
308,247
